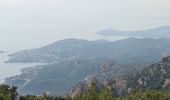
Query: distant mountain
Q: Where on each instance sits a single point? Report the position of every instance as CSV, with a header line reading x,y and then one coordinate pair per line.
x,y
59,78
144,50
62,50
160,32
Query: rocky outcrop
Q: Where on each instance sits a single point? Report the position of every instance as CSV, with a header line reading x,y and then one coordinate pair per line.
x,y
119,85
84,86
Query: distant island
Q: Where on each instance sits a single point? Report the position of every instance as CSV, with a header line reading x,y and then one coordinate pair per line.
x,y
2,51
159,32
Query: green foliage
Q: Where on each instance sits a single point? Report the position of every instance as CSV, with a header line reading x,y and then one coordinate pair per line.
x,y
149,95
92,94
8,93
31,97
107,94
138,95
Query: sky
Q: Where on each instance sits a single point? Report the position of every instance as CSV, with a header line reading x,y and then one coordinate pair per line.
x,y
26,24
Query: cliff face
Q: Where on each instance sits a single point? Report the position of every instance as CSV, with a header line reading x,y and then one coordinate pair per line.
x,y
84,86
119,85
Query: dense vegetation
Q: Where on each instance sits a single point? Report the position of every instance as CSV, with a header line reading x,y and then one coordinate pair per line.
x,y
154,77
107,95
10,93
31,97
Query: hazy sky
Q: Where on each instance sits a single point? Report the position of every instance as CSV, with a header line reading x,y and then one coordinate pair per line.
x,y
33,23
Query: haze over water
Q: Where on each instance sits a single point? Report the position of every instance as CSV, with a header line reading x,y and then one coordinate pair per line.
x,y
27,24
11,69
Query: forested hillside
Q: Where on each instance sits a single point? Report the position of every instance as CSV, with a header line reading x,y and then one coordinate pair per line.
x,y
154,77
58,78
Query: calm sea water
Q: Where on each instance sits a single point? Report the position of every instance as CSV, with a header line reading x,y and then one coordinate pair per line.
x,y
11,69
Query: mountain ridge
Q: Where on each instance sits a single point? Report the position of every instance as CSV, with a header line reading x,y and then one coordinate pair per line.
x,y
122,51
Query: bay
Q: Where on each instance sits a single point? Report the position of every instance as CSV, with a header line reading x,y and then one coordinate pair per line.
x,y
11,69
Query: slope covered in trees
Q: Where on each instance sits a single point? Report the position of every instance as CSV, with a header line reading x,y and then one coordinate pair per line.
x,y
154,77
58,78
8,93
